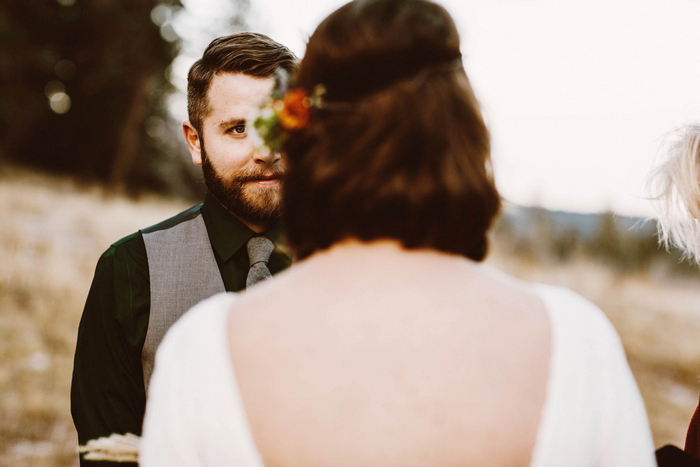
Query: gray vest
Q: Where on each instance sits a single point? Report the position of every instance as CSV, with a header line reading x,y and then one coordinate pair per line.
x,y
183,272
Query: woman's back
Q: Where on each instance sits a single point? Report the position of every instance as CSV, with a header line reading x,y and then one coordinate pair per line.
x,y
372,355
376,355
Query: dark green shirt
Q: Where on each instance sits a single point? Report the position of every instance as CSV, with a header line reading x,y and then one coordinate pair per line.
x,y
107,392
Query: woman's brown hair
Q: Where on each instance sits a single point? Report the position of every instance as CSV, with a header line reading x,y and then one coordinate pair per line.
x,y
398,149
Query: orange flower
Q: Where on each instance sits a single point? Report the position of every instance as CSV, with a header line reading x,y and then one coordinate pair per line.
x,y
295,114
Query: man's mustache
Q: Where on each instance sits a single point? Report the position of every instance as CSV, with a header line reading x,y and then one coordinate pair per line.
x,y
260,174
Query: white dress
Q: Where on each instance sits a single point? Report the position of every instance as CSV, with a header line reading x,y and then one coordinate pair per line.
x,y
593,414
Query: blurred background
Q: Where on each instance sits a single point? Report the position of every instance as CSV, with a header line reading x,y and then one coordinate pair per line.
x,y
581,97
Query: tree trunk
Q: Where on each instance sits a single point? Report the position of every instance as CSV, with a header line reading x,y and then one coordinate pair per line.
x,y
128,142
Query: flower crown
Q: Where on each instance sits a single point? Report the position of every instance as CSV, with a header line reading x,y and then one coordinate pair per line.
x,y
283,112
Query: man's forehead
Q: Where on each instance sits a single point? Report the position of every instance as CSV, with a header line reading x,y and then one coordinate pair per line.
x,y
240,84
236,93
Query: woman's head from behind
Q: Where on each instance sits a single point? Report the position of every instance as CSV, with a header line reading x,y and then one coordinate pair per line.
x,y
398,148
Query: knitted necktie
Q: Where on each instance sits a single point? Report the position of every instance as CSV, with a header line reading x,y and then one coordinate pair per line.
x,y
259,251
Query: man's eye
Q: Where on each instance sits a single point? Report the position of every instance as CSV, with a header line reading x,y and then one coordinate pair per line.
x,y
238,129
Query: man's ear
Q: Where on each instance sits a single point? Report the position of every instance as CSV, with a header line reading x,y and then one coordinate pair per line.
x,y
194,142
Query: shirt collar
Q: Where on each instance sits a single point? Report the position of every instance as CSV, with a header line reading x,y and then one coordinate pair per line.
x,y
228,234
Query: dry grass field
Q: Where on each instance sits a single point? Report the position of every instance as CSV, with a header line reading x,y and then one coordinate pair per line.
x,y
53,230
51,233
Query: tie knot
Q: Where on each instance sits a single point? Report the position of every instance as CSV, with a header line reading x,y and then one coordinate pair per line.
x,y
259,249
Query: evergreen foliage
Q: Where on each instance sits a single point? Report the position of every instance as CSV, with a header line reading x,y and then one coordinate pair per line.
x,y
83,88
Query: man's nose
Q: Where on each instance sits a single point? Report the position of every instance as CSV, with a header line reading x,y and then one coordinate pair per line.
x,y
267,157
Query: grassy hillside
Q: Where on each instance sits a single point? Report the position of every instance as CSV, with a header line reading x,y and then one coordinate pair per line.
x,y
53,230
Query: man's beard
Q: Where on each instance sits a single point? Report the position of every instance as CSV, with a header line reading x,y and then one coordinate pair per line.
x,y
243,199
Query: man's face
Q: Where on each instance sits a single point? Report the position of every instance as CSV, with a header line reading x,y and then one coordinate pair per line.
x,y
244,180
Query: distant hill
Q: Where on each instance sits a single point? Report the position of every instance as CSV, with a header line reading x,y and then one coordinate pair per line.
x,y
524,220
626,243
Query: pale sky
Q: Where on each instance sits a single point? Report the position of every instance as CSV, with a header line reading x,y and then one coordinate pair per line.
x,y
578,94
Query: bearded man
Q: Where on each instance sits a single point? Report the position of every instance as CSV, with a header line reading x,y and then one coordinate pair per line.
x,y
147,280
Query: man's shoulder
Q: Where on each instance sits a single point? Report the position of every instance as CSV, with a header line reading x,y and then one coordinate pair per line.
x,y
184,216
133,245
130,249
128,241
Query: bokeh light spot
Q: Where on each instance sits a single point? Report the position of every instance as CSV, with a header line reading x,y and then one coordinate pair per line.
x,y
160,14
60,102
167,32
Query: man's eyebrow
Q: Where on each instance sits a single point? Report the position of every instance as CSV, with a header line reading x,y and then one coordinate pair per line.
x,y
232,122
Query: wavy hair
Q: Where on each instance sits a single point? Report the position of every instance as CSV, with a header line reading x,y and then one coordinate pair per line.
x,y
249,53
675,188
399,148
